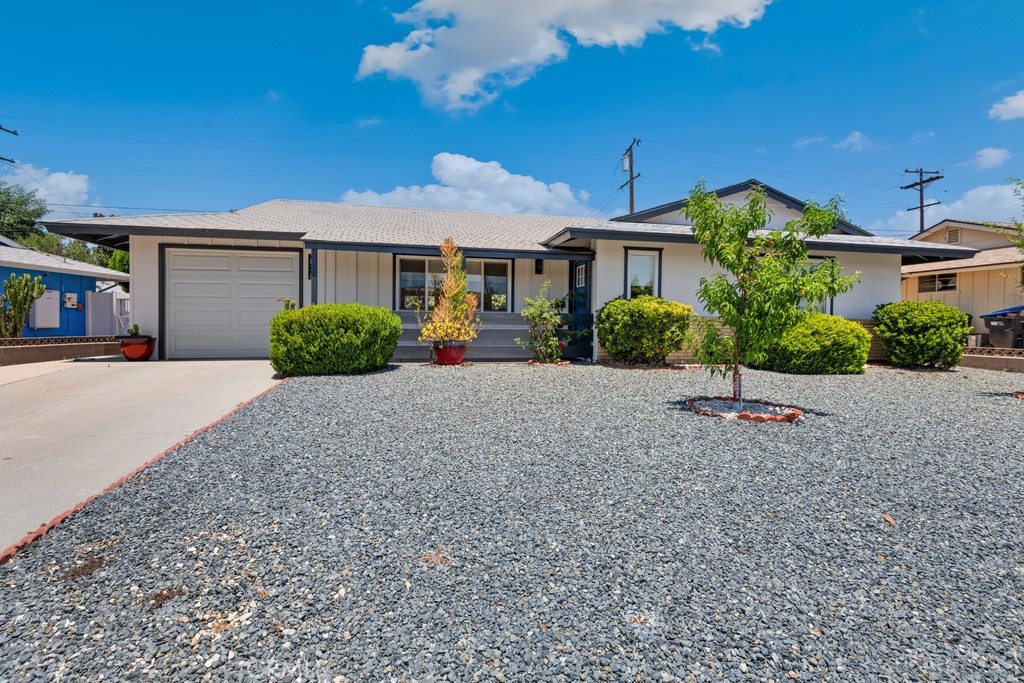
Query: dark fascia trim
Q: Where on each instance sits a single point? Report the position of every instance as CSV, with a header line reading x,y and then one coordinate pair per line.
x,y
781,197
468,252
96,233
911,252
162,281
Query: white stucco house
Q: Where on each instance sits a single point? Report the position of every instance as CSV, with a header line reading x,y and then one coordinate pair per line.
x,y
987,281
207,284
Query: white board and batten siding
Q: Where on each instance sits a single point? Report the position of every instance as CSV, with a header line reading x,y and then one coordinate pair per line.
x,y
218,303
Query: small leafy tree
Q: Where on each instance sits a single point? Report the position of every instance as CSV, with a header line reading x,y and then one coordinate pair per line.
x,y
768,278
16,303
1015,233
543,316
20,211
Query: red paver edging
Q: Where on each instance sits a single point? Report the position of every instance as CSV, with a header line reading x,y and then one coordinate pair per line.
x,y
9,552
790,415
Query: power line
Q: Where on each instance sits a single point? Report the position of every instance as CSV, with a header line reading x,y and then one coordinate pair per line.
x,y
38,182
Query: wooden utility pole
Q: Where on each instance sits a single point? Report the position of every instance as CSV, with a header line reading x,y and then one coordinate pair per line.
x,y
921,183
12,132
627,158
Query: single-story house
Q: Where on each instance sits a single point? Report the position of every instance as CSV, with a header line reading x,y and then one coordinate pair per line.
x,y
987,281
207,284
71,306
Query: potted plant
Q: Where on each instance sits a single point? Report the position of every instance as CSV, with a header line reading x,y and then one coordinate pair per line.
x,y
136,346
451,323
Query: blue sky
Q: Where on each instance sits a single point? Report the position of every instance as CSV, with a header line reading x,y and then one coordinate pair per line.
x,y
126,108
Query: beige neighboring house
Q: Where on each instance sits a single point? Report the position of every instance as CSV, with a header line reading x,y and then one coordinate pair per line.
x,y
988,281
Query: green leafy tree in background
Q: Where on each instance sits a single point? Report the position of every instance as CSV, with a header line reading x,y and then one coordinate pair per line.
x,y
16,302
767,281
1015,233
20,211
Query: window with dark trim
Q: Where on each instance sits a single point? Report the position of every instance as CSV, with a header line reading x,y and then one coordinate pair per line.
x,y
490,280
643,272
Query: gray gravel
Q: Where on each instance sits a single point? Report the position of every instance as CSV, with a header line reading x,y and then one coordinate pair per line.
x,y
503,522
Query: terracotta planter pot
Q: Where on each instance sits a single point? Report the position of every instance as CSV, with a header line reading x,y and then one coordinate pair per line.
x,y
449,353
140,347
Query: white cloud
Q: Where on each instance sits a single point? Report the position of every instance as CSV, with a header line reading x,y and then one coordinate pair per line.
x,y
463,53
990,157
984,203
809,140
367,122
1010,107
64,192
465,183
273,96
918,138
855,142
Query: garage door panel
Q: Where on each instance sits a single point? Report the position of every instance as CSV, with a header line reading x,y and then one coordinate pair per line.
x,y
265,290
259,317
217,312
183,317
248,262
202,290
211,261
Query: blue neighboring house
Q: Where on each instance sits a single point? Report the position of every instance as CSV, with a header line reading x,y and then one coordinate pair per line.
x,y
62,275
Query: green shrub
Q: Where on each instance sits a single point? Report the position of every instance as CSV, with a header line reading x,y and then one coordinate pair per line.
x,y
543,316
330,339
644,329
920,333
821,345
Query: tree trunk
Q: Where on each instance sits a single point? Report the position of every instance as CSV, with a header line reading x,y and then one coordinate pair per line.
x,y
737,387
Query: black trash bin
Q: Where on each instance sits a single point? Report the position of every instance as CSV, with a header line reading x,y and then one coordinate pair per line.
x,y
1006,327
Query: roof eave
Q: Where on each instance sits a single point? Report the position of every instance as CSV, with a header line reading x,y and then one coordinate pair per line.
x,y
117,236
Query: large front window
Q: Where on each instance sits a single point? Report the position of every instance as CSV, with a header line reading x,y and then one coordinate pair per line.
x,y
643,272
489,280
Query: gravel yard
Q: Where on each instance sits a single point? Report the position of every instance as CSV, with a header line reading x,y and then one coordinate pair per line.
x,y
502,522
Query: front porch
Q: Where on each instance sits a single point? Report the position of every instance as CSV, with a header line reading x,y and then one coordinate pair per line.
x,y
495,341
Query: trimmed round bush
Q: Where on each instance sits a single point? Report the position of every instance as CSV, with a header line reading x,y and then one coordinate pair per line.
x,y
922,333
642,330
332,339
821,345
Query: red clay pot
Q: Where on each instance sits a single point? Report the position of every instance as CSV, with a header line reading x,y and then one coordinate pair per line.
x,y
140,347
450,353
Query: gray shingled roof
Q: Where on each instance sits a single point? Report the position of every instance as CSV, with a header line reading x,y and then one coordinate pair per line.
x,y
14,257
334,223
988,258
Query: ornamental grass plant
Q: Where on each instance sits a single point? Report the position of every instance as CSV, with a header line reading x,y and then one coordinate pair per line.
x,y
453,314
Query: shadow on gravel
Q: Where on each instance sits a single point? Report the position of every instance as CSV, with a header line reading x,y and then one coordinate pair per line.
x,y
680,404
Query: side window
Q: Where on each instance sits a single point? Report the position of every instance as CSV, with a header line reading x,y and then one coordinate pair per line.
x,y
643,272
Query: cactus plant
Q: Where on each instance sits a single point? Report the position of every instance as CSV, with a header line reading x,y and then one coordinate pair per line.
x,y
16,302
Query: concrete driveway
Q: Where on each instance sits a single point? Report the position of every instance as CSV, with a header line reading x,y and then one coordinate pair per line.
x,y
72,428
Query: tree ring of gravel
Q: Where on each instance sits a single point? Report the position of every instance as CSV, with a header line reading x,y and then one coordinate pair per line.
x,y
755,411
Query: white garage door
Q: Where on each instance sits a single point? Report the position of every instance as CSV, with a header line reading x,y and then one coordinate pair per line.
x,y
218,303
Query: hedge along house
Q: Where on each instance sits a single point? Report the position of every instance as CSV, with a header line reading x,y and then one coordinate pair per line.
x,y
207,284
71,306
988,281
